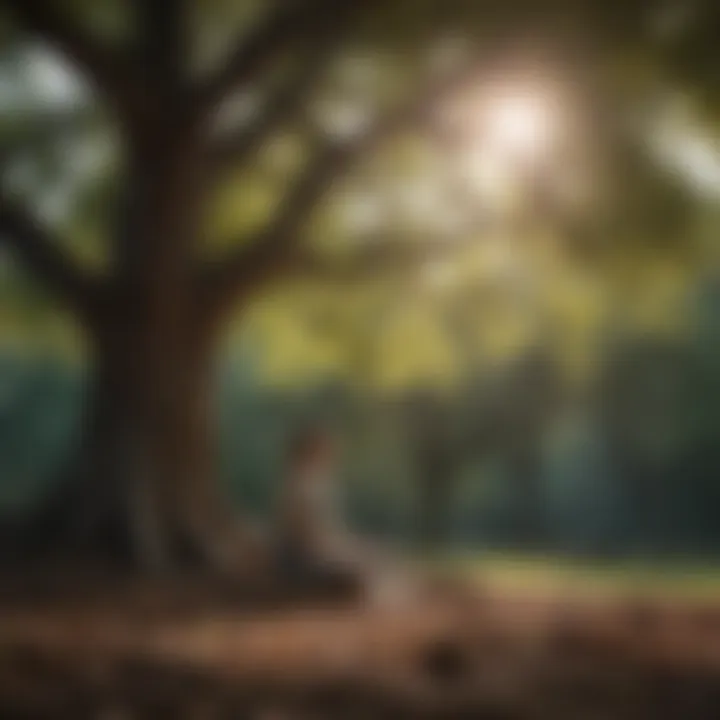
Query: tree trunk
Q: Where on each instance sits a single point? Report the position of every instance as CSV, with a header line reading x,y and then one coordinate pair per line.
x,y
435,479
524,467
433,511
142,489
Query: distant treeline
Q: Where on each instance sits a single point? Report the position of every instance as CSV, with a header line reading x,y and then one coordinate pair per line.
x,y
513,457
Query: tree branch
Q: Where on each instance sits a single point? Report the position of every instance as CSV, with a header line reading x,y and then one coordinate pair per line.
x,y
35,250
108,69
291,22
274,251
162,38
270,254
382,256
285,105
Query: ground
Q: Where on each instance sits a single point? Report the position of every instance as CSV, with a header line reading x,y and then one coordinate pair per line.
x,y
538,640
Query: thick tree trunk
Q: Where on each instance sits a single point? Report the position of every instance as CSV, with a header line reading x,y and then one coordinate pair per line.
x,y
141,491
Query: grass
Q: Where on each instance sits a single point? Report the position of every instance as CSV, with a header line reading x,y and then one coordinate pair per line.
x,y
554,575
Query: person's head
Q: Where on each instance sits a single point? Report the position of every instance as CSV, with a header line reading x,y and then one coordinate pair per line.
x,y
311,451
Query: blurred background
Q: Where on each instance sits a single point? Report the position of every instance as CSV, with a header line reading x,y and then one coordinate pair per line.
x,y
530,359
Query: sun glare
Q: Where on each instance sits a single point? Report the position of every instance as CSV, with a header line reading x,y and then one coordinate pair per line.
x,y
511,132
520,125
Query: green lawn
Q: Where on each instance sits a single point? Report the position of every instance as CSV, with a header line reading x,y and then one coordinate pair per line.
x,y
556,574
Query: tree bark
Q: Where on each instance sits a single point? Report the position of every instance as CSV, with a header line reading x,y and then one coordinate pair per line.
x,y
140,491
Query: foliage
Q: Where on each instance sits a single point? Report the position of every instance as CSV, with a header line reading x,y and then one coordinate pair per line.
x,y
633,470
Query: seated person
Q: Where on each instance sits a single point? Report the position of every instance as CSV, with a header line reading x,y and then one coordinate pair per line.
x,y
313,548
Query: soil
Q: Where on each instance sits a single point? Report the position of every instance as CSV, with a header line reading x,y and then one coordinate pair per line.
x,y
87,646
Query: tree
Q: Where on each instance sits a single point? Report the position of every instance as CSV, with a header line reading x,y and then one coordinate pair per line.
x,y
143,480
649,389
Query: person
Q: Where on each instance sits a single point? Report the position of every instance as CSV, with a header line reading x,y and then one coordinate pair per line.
x,y
313,547
315,550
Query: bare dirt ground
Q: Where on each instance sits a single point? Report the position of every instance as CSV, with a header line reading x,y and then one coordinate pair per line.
x,y
119,651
